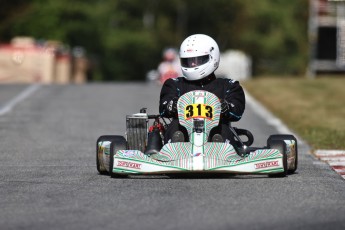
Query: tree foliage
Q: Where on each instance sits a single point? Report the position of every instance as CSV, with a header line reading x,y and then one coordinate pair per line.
x,y
125,38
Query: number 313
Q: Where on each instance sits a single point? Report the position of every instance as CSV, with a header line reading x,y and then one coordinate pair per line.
x,y
198,110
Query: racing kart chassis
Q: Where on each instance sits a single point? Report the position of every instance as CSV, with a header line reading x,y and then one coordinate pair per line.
x,y
198,112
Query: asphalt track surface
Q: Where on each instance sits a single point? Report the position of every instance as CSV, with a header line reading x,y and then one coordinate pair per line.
x,y
48,177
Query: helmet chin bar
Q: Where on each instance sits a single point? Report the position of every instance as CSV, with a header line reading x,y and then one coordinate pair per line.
x,y
194,74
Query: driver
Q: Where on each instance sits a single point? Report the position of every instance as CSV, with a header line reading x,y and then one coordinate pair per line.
x,y
199,56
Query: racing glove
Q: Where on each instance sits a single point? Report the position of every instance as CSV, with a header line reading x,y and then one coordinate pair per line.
x,y
225,107
172,106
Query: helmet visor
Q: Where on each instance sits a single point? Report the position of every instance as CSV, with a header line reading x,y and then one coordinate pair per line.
x,y
194,61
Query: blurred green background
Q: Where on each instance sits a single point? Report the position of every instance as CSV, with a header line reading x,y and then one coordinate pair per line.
x,y
124,38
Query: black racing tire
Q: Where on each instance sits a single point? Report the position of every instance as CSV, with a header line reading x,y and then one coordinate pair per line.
x,y
101,139
287,137
118,143
280,145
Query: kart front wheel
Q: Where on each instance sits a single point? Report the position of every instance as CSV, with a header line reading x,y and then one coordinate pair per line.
x,y
101,167
119,143
281,146
293,151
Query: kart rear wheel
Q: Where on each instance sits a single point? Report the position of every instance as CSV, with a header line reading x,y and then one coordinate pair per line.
x,y
281,146
118,143
287,137
100,166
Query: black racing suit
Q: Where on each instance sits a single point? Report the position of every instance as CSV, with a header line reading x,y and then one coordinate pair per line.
x,y
223,88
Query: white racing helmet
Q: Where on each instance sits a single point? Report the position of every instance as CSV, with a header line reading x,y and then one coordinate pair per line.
x,y
199,55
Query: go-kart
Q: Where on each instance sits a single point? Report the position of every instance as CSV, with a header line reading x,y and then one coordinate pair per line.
x,y
199,112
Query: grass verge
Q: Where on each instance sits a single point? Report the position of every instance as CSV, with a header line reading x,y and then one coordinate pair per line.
x,y
315,109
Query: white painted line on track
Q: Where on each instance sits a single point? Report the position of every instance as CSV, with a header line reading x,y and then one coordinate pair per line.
x,y
260,110
329,153
333,159
337,163
22,96
340,171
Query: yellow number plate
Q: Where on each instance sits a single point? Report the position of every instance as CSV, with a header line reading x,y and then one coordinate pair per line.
x,y
198,111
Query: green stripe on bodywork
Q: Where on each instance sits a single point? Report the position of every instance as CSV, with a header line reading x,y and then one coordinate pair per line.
x,y
204,137
126,171
270,171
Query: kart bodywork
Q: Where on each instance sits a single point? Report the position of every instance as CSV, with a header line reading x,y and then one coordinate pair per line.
x,y
199,113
